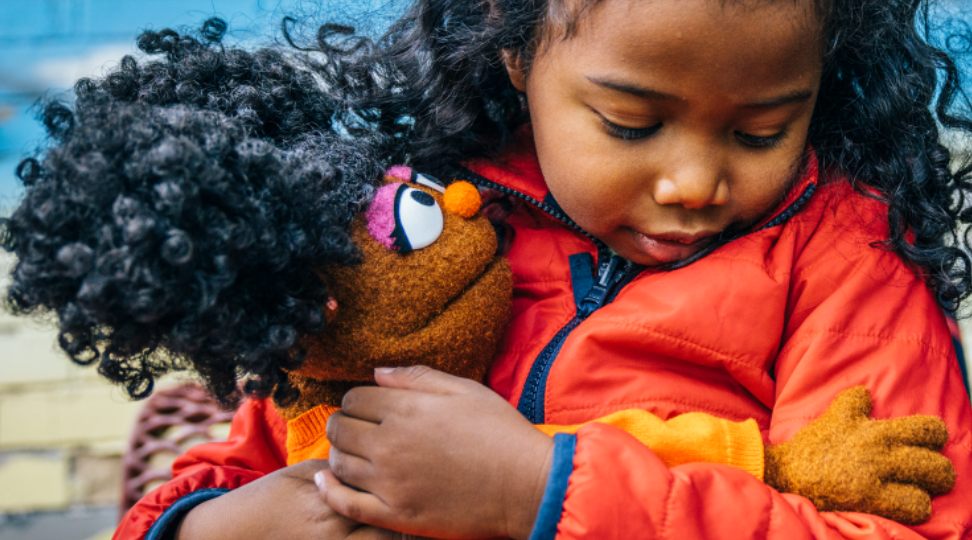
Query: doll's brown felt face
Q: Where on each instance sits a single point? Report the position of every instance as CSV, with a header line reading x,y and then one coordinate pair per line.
x,y
444,305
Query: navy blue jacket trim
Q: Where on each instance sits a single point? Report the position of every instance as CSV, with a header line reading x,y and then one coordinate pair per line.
x,y
174,514
552,504
581,276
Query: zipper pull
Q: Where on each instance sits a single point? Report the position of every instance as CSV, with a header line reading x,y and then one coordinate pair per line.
x,y
608,275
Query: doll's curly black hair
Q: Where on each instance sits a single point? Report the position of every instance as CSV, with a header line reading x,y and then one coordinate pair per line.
x,y
165,236
432,92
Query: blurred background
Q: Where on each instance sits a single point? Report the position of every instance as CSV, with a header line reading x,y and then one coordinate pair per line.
x,y
62,430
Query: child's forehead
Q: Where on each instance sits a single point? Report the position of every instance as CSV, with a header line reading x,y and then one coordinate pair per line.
x,y
659,39
565,17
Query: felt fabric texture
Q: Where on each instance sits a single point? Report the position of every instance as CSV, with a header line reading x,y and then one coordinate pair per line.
x,y
314,392
400,172
444,306
463,199
380,215
842,460
689,438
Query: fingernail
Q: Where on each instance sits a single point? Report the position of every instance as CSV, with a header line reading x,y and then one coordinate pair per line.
x,y
319,480
385,369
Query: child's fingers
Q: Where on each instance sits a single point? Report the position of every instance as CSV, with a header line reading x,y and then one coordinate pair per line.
x,y
359,506
421,379
350,435
921,467
351,470
917,430
371,403
903,503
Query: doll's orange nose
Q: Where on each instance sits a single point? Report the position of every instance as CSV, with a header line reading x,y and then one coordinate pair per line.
x,y
462,199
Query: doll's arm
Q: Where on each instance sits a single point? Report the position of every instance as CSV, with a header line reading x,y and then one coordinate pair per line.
x,y
834,461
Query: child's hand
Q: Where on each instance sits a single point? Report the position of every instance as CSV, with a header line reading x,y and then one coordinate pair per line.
x,y
845,461
435,455
284,504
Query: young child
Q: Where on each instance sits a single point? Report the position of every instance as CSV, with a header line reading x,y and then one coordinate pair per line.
x,y
768,216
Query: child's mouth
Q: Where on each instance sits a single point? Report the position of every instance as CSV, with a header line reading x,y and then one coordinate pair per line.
x,y
671,247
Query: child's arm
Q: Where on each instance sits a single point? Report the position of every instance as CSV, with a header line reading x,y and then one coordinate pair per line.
x,y
377,435
833,461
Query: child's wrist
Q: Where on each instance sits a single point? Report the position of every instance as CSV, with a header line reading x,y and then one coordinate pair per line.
x,y
193,525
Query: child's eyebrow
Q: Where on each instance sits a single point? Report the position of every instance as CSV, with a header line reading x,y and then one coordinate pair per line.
x,y
795,96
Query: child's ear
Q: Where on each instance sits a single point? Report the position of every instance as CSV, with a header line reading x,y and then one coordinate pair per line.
x,y
514,66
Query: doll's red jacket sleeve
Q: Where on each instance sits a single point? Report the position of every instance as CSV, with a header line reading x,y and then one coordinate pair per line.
x,y
255,447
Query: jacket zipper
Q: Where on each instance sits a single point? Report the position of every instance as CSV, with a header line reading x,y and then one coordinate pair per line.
x,y
613,274
612,277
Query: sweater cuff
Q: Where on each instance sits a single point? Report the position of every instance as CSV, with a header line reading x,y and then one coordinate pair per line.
x,y
552,504
164,526
748,452
307,435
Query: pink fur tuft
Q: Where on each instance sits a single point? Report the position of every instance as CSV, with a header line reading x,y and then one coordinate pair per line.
x,y
380,215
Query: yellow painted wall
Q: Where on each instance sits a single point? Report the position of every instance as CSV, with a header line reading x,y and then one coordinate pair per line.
x,y
62,428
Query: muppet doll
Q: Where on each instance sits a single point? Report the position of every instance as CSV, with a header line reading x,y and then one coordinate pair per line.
x,y
231,229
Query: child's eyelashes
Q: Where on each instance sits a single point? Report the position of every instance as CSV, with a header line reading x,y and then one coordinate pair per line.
x,y
755,141
629,134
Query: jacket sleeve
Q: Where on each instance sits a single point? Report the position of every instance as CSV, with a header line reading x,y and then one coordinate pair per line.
x,y
254,448
863,319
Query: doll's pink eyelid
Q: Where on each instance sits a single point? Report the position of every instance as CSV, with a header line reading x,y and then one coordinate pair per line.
x,y
380,215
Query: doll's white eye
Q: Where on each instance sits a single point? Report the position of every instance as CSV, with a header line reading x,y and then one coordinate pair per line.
x,y
418,219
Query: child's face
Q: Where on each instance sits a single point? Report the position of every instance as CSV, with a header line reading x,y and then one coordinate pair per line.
x,y
661,123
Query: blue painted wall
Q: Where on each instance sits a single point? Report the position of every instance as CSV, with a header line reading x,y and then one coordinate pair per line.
x,y
47,44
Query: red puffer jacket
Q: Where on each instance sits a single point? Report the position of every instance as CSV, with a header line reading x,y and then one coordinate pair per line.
x,y
771,326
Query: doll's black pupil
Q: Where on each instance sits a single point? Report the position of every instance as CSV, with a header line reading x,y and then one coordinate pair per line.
x,y
423,198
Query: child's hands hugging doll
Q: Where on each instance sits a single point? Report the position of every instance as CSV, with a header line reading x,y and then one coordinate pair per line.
x,y
185,230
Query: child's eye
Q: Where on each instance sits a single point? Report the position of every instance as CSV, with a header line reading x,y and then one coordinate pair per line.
x,y
628,134
756,141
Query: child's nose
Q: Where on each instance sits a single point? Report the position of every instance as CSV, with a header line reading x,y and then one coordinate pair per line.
x,y
694,185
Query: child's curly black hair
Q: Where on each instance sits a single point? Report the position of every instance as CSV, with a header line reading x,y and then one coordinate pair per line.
x,y
299,130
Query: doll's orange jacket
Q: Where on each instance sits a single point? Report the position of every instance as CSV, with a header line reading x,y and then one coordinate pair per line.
x,y
770,326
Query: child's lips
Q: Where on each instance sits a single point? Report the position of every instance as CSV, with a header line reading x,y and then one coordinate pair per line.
x,y
673,246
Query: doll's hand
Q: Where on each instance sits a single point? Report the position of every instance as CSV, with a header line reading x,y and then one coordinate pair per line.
x,y
435,455
284,504
845,461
